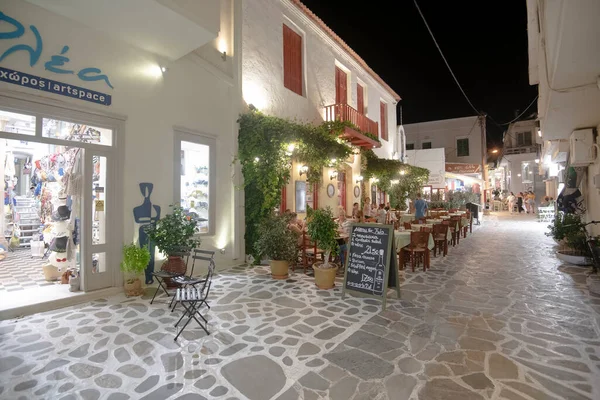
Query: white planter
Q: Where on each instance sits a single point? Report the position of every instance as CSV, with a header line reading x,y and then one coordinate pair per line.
x,y
568,256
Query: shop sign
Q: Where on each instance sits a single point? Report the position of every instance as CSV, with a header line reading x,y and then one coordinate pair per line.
x,y
463,168
48,85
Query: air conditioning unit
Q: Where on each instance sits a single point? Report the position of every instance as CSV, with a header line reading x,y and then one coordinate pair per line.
x,y
582,148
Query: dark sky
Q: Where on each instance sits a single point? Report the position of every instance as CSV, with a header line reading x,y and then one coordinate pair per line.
x,y
485,44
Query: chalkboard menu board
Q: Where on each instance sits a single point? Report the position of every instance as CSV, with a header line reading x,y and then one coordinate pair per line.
x,y
371,262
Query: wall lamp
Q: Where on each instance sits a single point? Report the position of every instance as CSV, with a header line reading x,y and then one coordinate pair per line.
x,y
303,170
333,175
359,179
224,56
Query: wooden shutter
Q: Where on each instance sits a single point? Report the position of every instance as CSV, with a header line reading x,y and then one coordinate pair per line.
x,y
341,89
292,60
383,122
360,99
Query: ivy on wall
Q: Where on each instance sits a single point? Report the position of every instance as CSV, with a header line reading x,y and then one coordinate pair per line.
x,y
268,145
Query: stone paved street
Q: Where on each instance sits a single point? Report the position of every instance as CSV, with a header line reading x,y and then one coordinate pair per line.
x,y
499,318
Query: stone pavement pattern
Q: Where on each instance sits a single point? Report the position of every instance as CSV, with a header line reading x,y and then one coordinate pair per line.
x,y
499,318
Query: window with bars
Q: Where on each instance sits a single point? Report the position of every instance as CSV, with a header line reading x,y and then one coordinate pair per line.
x,y
410,146
292,60
426,145
462,147
524,139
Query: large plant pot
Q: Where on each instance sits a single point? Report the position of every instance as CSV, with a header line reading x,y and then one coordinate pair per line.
x,y
324,277
173,264
279,269
573,257
51,273
134,288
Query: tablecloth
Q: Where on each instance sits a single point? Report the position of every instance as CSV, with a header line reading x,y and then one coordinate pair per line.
x,y
402,239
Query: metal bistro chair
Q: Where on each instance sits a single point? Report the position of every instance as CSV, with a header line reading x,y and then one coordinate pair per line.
x,y
190,280
192,298
161,275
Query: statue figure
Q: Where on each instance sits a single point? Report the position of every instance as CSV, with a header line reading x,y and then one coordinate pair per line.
x,y
143,215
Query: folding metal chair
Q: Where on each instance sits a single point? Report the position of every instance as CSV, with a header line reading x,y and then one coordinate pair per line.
x,y
190,280
161,275
192,299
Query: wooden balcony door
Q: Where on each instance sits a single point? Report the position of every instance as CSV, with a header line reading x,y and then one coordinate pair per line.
x,y
360,99
341,86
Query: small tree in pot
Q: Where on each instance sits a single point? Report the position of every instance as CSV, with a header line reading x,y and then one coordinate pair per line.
x,y
173,234
278,243
322,229
135,261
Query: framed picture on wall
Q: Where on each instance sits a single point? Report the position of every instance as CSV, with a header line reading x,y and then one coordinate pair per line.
x,y
300,196
356,191
330,190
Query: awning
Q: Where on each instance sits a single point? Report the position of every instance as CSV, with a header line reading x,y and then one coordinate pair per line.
x,y
464,178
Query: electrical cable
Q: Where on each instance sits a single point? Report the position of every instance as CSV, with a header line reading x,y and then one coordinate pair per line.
x,y
519,116
445,61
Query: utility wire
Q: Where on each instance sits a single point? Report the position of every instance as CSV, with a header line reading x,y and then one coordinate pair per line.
x,y
445,61
519,116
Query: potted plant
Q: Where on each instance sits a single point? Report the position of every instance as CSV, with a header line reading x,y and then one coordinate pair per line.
x,y
567,230
135,261
278,243
322,229
173,234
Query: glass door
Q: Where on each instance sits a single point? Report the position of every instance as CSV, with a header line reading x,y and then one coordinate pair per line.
x,y
98,272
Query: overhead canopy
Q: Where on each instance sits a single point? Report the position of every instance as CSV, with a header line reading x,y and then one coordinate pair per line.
x,y
464,178
358,139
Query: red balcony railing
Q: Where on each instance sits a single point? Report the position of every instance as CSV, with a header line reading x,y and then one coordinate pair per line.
x,y
343,112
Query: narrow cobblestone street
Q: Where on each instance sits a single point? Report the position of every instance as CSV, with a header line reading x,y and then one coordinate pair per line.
x,y
498,318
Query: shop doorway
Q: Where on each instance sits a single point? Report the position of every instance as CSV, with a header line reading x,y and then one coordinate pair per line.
x,y
57,195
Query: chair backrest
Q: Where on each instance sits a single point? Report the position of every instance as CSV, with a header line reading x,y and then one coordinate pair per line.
x,y
419,239
203,255
426,229
407,225
439,229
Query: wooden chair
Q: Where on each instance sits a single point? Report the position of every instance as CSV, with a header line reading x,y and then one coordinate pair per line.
x,y
426,229
309,252
416,251
457,231
452,226
407,225
440,238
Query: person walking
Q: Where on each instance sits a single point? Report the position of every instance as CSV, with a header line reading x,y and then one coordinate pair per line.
x,y
531,201
511,202
520,202
420,207
367,211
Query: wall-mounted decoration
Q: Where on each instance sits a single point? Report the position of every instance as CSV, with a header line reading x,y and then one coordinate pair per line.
x,y
300,196
330,190
146,214
356,191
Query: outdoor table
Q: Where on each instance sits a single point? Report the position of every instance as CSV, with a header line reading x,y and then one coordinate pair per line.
x,y
445,217
433,221
407,217
402,239
417,227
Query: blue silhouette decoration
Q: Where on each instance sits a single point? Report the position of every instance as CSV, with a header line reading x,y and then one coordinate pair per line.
x,y
143,216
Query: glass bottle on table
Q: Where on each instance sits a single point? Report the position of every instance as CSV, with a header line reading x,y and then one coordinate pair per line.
x,y
378,276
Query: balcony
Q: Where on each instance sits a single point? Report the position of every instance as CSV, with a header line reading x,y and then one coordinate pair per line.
x,y
520,150
343,112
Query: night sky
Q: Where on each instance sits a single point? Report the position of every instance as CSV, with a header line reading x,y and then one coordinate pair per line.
x,y
485,44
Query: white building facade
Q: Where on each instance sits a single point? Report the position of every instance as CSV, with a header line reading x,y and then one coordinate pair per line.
x,y
322,79
518,168
565,64
158,89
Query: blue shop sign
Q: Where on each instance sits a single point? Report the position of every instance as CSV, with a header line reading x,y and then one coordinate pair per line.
x,y
56,63
48,85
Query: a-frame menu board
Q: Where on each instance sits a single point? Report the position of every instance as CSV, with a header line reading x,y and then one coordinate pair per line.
x,y
371,263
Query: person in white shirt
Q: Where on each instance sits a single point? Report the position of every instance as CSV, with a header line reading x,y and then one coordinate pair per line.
x,y
367,212
381,214
511,202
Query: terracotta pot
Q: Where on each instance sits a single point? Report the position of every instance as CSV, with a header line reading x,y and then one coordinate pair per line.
x,y
325,277
173,264
134,288
279,269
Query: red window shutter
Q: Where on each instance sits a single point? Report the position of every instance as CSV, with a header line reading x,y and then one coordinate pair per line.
x,y
383,122
360,99
341,86
292,60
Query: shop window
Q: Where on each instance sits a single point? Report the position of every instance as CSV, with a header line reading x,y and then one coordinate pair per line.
x,y
17,123
426,145
195,184
462,147
410,146
56,129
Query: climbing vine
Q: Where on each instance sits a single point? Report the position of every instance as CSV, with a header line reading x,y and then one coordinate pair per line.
x,y
267,146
